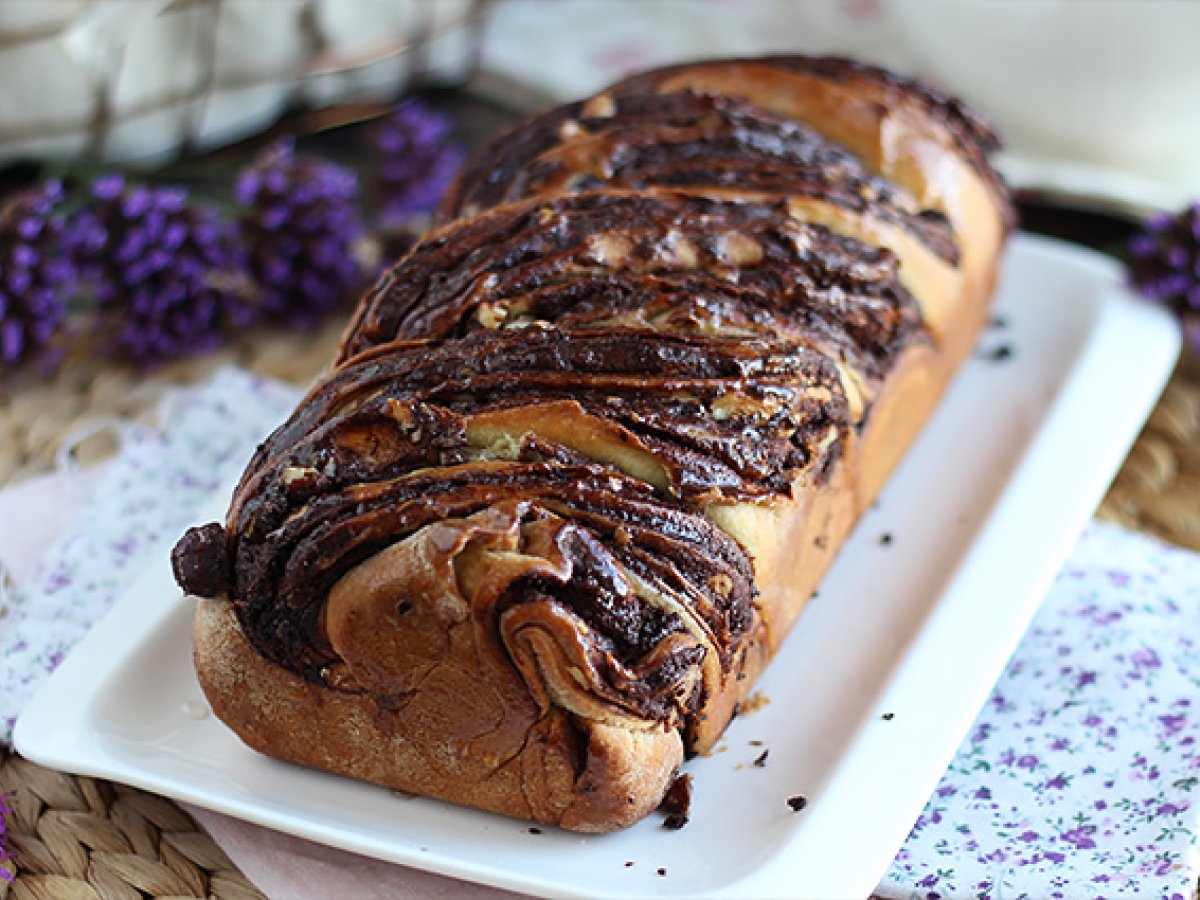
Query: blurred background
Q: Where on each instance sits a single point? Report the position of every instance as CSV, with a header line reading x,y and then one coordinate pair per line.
x,y
1094,98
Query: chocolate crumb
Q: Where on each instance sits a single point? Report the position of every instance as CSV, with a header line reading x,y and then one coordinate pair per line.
x,y
756,743
533,829
662,871
999,354
798,802
998,322
200,560
677,802
887,717
753,703
628,863
404,606
820,542
885,538
761,762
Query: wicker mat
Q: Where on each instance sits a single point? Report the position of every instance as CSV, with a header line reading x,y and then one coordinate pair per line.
x,y
79,837
82,838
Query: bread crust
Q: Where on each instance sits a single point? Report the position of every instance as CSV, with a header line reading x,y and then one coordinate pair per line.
x,y
442,689
582,774
418,751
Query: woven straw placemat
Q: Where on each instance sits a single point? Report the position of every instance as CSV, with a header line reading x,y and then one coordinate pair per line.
x,y
83,838
1158,487
80,838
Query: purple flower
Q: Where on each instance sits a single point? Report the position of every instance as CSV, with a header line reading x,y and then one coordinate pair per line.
x,y
1146,658
167,273
417,161
1164,264
1058,782
1029,761
300,223
1079,837
1159,865
1172,724
36,275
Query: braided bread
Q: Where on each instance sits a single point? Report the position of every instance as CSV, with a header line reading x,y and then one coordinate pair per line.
x,y
588,448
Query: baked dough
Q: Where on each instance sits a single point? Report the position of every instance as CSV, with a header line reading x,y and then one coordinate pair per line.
x,y
587,450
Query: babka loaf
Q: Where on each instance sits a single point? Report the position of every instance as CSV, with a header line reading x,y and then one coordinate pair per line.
x,y
588,448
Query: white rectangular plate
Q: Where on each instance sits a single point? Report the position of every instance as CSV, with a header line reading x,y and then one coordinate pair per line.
x,y
981,515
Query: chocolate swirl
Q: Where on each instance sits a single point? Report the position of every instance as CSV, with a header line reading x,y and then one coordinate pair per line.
x,y
655,260
390,443
702,142
970,135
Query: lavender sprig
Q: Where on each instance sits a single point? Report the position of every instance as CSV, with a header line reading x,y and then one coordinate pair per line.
x,y
167,274
300,223
418,159
36,276
1164,265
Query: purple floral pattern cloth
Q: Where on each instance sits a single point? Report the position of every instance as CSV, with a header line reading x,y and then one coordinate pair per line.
x,y
157,486
1081,777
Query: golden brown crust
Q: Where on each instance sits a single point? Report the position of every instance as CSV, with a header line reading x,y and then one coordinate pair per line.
x,y
425,748
586,455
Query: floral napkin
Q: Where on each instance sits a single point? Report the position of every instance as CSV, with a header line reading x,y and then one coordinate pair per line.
x,y
1081,774
1078,778
152,492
